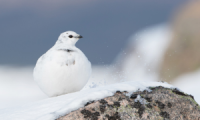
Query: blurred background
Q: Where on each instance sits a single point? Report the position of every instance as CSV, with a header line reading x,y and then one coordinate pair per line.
x,y
124,40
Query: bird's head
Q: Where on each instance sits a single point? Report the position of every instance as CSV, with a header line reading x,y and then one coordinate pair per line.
x,y
69,37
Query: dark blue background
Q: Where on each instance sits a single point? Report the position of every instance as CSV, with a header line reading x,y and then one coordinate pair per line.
x,y
30,29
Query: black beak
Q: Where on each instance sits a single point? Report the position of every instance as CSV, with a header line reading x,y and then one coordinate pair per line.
x,y
80,36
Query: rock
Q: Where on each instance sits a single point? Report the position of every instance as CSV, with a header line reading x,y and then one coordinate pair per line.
x,y
182,55
160,104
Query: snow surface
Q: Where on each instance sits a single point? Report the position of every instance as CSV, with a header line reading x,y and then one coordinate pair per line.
x,y
190,84
52,108
18,87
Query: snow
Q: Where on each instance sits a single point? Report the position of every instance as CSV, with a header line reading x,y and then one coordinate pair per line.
x,y
190,84
140,99
52,108
144,53
18,87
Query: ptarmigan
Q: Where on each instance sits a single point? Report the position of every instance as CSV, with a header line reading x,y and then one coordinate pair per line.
x,y
64,68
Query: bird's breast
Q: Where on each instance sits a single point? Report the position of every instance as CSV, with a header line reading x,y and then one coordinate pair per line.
x,y
67,58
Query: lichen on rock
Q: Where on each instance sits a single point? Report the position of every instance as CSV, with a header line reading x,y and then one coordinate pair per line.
x,y
161,103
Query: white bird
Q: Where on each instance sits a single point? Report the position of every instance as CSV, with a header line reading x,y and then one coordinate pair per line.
x,y
64,68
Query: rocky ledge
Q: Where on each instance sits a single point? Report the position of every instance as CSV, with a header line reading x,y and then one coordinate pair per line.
x,y
159,104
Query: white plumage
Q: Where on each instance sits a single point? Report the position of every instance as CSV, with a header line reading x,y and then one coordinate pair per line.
x,y
64,68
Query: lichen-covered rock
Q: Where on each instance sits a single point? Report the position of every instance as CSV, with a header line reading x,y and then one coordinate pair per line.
x,y
159,104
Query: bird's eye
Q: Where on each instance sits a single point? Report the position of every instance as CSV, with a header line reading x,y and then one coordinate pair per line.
x,y
70,36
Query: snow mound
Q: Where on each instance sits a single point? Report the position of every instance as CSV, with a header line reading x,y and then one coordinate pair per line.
x,y
52,108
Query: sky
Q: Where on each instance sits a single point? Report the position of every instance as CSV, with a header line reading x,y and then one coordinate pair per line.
x,y
29,28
